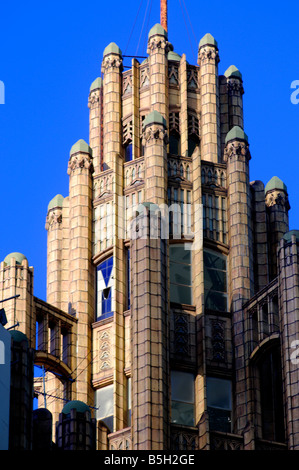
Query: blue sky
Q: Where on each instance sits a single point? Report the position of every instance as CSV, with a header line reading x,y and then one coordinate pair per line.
x,y
50,53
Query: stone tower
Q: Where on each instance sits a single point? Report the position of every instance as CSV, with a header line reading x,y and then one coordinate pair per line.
x,y
172,279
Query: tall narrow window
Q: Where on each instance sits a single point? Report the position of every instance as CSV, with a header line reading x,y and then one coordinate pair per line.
x,y
180,274
215,281
182,398
128,152
129,401
104,289
219,401
104,405
271,396
128,281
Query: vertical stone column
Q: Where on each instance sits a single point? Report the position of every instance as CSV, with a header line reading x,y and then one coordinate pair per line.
x,y
184,106
16,278
149,333
198,301
135,109
81,270
95,123
155,140
54,250
240,256
112,68
288,282
235,92
113,158
224,111
157,49
277,203
259,216
208,59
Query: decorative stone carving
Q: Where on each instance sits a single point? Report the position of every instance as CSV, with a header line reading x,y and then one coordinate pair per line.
x,y
157,43
54,218
192,78
154,133
111,62
94,98
236,149
234,85
127,84
218,340
276,198
181,334
208,53
144,77
173,75
79,161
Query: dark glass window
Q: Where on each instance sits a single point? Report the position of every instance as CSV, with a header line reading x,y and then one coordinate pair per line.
x,y
271,396
174,144
182,398
219,401
192,144
180,274
215,280
128,152
104,289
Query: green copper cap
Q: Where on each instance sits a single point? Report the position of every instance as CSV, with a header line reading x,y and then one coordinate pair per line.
x,y
97,83
19,257
80,146
57,201
275,183
236,133
154,118
112,48
157,30
232,71
173,56
208,40
18,336
77,405
288,236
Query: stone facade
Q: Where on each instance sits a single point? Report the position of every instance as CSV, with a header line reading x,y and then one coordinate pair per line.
x,y
163,322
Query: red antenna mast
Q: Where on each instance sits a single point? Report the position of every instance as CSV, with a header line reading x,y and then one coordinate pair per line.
x,y
163,14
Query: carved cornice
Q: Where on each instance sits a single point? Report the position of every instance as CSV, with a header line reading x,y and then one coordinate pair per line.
x,y
208,53
236,149
94,98
277,198
54,218
234,85
157,42
154,133
111,62
79,161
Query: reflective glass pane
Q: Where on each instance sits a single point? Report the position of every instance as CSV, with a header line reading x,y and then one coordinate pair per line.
x,y
216,301
212,260
180,273
180,294
219,393
104,402
182,386
182,413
